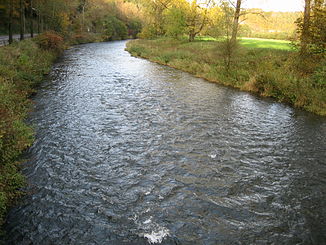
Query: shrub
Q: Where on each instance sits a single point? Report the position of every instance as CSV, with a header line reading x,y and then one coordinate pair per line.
x,y
85,37
115,29
135,50
319,76
50,40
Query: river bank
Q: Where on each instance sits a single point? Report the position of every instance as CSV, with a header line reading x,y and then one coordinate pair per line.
x,y
23,66
266,72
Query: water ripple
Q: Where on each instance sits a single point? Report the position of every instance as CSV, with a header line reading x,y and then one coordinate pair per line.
x,y
131,152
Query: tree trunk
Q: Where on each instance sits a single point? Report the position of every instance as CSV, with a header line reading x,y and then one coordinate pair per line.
x,y
236,22
22,19
31,18
192,36
43,24
305,27
11,11
38,21
83,19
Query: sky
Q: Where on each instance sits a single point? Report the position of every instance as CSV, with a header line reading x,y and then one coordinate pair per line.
x,y
275,5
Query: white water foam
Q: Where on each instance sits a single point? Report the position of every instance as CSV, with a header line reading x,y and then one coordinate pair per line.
x,y
213,156
148,220
157,237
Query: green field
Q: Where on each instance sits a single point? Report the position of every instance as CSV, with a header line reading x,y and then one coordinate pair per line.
x,y
266,43
257,43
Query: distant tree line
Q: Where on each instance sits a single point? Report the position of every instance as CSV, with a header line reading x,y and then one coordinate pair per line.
x,y
179,18
116,18
174,18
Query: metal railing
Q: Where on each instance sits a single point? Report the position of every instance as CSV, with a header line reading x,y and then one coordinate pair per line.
x,y
4,40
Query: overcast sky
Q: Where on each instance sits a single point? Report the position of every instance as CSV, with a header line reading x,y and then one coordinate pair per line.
x,y
275,5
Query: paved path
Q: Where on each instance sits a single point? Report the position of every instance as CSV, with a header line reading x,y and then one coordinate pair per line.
x,y
4,40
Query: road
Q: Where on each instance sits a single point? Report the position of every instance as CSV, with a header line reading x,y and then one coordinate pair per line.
x,y
4,40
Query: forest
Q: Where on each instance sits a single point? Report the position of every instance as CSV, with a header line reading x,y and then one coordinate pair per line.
x,y
201,37
121,19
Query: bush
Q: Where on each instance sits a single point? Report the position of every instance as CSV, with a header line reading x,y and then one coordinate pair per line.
x,y
148,32
134,27
319,76
50,40
136,50
85,37
115,29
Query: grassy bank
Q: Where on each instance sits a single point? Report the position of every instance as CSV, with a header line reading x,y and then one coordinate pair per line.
x,y
256,66
22,67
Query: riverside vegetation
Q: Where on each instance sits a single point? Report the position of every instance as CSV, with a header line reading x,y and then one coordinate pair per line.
x,y
23,65
22,68
265,67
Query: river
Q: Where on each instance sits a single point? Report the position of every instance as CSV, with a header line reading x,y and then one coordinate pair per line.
x,y
132,152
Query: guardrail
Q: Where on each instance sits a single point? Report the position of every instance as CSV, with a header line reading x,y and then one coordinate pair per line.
x,y
4,40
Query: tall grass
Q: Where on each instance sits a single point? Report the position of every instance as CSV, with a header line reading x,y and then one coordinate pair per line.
x,y
267,71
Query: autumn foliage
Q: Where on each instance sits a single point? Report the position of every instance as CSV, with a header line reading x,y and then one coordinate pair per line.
x,y
50,40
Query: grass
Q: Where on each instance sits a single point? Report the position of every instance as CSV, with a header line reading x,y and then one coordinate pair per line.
x,y
264,67
22,67
266,43
255,43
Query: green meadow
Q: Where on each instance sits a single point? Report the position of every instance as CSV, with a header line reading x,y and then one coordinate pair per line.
x,y
266,43
255,42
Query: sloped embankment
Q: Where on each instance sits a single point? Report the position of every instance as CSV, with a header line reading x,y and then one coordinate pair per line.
x,y
264,71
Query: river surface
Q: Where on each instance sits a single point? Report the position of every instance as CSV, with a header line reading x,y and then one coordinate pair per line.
x,y
132,152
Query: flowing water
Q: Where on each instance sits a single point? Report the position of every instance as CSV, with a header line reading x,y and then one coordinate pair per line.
x,y
132,152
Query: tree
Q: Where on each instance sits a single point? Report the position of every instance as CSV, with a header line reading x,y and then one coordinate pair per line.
x,y
236,22
22,18
10,26
115,28
312,29
215,24
196,18
154,26
31,16
174,22
305,27
134,27
82,6
318,28
73,16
